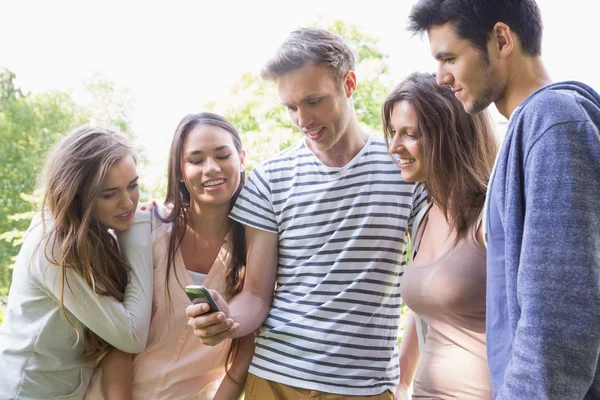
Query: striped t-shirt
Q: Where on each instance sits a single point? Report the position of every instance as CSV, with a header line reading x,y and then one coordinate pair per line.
x,y
333,323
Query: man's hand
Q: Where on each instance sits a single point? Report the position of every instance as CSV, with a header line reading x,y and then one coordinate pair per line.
x,y
215,327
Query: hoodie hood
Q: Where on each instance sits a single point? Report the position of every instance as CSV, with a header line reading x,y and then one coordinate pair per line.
x,y
587,93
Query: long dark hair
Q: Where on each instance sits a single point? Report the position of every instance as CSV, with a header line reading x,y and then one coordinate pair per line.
x,y
459,149
178,196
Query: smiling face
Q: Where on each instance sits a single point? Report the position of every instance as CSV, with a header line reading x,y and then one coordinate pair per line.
x,y
404,142
211,165
464,68
119,197
318,103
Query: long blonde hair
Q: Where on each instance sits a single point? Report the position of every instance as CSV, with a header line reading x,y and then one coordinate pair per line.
x,y
74,176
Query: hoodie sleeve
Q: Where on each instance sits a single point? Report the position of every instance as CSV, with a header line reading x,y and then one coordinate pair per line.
x,y
124,325
557,339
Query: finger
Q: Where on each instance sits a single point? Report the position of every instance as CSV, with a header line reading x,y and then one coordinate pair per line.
x,y
216,339
223,306
210,326
196,310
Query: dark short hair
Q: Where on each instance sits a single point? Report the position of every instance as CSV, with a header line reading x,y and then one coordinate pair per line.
x,y
474,20
310,45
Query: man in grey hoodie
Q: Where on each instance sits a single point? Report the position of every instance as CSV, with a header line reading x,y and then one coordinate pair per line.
x,y
543,214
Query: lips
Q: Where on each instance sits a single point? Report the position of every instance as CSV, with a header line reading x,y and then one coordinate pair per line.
x,y
125,216
213,182
315,134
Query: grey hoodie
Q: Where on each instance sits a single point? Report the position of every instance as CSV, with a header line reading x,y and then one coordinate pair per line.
x,y
543,275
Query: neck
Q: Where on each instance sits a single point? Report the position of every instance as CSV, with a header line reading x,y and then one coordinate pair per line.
x,y
210,222
348,146
528,75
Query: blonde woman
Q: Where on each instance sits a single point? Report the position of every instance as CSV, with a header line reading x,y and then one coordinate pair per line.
x,y
78,291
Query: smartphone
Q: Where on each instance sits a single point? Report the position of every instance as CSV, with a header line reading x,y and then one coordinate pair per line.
x,y
200,294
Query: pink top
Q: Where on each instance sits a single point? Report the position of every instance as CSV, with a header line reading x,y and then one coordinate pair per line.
x,y
175,365
449,294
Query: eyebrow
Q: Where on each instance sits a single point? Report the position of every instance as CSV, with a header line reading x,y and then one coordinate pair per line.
x,y
196,152
405,128
308,97
116,187
443,54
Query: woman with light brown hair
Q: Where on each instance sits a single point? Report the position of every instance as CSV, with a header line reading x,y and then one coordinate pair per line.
x,y
77,290
435,141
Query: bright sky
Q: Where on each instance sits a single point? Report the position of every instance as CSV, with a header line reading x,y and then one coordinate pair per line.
x,y
176,56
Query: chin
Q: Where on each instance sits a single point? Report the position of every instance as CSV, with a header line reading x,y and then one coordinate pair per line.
x,y
408,178
121,227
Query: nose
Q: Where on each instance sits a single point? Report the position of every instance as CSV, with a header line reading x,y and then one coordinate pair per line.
x,y
396,144
125,200
211,166
443,77
304,118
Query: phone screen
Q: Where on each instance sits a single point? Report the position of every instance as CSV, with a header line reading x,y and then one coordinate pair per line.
x,y
199,294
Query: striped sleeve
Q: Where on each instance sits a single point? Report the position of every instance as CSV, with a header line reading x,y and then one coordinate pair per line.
x,y
254,205
419,200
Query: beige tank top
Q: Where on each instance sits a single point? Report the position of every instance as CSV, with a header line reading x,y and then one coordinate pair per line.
x,y
449,295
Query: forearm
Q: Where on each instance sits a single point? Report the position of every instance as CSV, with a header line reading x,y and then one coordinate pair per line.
x,y
117,375
232,386
250,310
409,351
123,325
136,246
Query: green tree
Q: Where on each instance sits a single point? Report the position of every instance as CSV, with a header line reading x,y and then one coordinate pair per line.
x,y
29,126
254,108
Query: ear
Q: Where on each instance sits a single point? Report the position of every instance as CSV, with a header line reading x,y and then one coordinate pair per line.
x,y
503,40
243,159
350,83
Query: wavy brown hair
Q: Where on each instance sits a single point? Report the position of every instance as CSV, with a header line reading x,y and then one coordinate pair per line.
x,y
73,177
458,148
179,197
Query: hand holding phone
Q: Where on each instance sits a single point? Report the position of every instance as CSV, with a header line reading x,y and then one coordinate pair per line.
x,y
200,294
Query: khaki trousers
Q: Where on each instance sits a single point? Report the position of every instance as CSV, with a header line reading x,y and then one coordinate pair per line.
x,y
262,389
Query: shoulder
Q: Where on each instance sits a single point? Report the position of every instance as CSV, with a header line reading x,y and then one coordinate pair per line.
x,y
558,104
160,227
377,141
290,155
39,246
281,166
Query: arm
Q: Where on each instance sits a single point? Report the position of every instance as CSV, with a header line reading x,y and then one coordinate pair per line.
x,y
248,309
409,356
232,386
117,375
557,340
419,202
123,325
